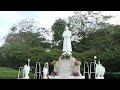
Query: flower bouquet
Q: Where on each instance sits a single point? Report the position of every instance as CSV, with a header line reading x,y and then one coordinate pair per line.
x,y
54,73
65,56
77,62
53,62
75,74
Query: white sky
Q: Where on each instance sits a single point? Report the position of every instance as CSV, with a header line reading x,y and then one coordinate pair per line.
x,y
46,18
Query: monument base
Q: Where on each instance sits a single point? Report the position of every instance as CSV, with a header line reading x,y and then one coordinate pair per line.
x,y
99,78
66,77
66,68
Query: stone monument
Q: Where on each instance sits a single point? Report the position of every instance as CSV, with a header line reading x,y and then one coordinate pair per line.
x,y
67,67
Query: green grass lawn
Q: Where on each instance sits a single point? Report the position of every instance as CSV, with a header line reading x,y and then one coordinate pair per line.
x,y
9,73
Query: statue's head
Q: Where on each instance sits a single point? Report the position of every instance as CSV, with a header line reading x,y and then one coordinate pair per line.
x,y
46,65
98,62
66,28
25,65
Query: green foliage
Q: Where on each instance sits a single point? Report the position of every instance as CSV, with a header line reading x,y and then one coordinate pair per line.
x,y
82,23
26,32
29,38
85,56
9,73
16,55
104,44
53,54
112,75
13,55
23,43
58,28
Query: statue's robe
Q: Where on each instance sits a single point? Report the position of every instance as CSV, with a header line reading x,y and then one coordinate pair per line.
x,y
67,42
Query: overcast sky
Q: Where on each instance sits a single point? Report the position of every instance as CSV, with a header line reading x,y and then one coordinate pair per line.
x,y
46,18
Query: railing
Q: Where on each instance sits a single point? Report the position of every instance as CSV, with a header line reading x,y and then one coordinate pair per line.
x,y
86,66
19,72
37,74
92,72
89,71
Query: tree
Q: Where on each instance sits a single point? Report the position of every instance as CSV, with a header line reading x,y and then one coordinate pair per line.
x,y
26,31
58,27
82,23
26,40
25,25
104,43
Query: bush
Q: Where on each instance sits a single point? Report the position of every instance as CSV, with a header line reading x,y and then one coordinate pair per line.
x,y
112,75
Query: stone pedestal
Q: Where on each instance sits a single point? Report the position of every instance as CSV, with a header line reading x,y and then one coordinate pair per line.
x,y
67,77
99,77
65,69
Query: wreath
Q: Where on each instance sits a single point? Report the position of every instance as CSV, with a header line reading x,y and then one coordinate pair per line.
x,y
65,56
53,62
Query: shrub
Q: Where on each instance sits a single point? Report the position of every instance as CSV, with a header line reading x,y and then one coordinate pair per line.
x,y
112,75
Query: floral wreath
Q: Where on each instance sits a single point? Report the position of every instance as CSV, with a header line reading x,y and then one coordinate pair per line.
x,y
53,62
76,62
65,56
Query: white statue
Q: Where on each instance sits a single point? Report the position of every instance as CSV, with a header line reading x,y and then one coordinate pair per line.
x,y
67,41
26,70
100,71
45,71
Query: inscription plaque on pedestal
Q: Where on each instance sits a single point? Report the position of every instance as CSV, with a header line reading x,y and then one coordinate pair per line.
x,y
66,68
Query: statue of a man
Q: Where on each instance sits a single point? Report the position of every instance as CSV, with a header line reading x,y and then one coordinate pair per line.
x,y
67,41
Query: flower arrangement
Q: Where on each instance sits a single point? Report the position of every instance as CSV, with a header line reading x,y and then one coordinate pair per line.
x,y
54,73
65,56
53,62
75,74
77,62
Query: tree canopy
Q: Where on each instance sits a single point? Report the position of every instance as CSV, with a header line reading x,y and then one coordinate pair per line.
x,y
91,36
